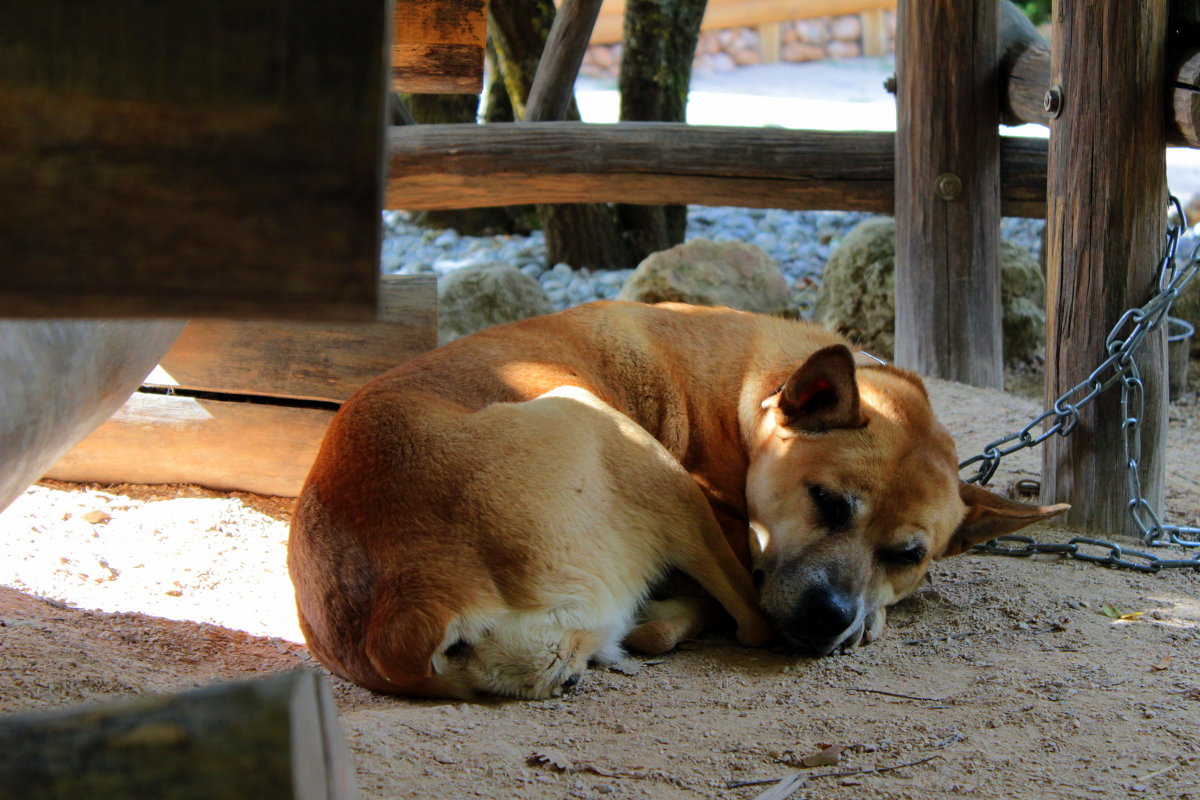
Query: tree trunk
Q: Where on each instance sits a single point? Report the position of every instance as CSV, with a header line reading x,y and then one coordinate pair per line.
x,y
579,235
656,69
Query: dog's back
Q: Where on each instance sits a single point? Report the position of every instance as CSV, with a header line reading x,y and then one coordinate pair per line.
x,y
441,552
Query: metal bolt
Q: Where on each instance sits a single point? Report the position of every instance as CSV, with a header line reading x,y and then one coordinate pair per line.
x,y
1053,101
947,186
889,84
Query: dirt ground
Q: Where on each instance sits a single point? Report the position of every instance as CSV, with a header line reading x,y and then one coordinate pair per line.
x,y
1021,678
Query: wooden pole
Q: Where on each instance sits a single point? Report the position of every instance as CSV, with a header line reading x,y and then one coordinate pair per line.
x,y
1107,205
467,166
554,82
948,191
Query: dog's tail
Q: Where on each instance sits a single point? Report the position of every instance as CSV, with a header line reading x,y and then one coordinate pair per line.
x,y
404,633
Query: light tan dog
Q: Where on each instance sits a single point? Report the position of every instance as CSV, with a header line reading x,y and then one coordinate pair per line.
x,y
454,538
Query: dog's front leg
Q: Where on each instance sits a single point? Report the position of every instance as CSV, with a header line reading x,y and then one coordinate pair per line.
x,y
666,623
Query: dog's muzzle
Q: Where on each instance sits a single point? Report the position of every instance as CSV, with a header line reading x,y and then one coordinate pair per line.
x,y
824,620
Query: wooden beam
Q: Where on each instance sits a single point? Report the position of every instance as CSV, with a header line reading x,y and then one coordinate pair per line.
x,y
232,169
1185,101
270,737
719,14
553,86
243,406
948,191
438,46
1104,241
468,166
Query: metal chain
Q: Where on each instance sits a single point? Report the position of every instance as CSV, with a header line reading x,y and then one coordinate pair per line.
x,y
1119,367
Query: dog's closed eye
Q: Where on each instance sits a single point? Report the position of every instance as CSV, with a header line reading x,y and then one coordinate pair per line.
x,y
836,510
906,556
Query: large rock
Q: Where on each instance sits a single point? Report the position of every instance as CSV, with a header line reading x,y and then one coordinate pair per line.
x,y
476,297
709,273
857,294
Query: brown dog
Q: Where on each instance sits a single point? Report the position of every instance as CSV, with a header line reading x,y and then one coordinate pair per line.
x,y
432,512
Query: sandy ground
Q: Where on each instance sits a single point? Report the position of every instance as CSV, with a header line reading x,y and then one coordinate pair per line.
x,y
1038,678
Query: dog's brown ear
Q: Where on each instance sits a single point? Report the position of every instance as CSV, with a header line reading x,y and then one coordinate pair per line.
x,y
989,515
821,394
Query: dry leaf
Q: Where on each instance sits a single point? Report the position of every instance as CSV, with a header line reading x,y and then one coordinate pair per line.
x,y
549,757
96,517
825,758
1163,664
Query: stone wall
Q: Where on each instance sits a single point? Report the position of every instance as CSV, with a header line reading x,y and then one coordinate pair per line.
x,y
796,41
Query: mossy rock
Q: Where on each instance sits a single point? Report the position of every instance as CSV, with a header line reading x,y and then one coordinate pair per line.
x,y
857,294
476,297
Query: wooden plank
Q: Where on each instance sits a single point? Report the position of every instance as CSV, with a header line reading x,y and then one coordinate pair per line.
x,y
1024,68
770,37
553,86
269,737
948,191
303,360
1185,101
438,46
739,13
468,166
230,446
1104,241
232,172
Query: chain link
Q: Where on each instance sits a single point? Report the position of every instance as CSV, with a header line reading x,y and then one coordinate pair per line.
x,y
1119,367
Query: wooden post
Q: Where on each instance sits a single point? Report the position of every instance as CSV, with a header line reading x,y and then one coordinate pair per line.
x,y
271,737
948,191
1107,205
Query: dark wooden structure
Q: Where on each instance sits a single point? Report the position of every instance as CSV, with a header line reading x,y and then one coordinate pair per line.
x,y
163,158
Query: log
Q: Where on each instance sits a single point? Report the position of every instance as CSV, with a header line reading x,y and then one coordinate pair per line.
x,y
466,166
1185,101
1104,241
59,379
1024,68
243,406
948,191
553,86
231,170
438,46
270,737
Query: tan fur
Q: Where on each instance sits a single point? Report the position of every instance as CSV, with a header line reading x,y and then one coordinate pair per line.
x,y
455,538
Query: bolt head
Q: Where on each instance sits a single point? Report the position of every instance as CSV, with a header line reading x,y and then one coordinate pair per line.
x,y
948,186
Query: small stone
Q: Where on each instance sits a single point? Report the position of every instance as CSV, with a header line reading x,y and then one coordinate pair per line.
x,y
96,517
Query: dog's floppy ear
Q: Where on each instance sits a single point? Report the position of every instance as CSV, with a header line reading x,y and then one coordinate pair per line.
x,y
821,394
403,635
989,515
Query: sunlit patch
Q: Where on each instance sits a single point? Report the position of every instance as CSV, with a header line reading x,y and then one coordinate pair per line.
x,y
760,537
1173,612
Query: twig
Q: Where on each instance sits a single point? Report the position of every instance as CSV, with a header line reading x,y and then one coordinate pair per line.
x,y
897,694
420,731
797,780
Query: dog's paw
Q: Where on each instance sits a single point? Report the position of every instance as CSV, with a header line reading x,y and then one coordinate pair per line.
x,y
873,630
654,638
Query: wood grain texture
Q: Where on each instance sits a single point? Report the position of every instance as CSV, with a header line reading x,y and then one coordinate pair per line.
x,y
304,360
271,737
947,243
438,46
1185,101
1104,240
467,166
1024,68
164,158
553,86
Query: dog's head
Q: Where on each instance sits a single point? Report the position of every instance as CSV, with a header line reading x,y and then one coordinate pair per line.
x,y
852,490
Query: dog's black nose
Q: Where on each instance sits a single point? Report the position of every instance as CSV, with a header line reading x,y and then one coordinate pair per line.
x,y
570,683
821,620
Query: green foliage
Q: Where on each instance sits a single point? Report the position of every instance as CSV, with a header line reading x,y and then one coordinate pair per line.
x,y
1038,11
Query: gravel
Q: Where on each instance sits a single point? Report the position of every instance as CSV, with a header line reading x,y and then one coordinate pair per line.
x,y
800,242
